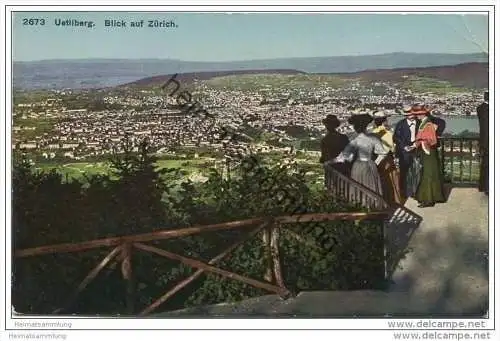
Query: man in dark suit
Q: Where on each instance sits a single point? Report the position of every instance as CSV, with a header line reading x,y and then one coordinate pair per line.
x,y
441,125
483,113
404,139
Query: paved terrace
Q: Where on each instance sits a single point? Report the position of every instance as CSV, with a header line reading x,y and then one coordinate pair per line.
x,y
445,271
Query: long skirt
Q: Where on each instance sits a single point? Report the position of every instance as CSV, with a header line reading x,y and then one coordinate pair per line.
x,y
430,189
389,176
413,176
366,173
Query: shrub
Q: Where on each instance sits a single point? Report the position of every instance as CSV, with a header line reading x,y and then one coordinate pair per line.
x,y
338,255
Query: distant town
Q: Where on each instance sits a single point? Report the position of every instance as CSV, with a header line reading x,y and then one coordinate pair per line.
x,y
272,115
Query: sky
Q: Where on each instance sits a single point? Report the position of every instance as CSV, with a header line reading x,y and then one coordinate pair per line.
x,y
240,36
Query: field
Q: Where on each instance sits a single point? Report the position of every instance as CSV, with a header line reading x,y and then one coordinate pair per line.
x,y
30,96
292,83
76,170
42,125
425,85
274,81
465,171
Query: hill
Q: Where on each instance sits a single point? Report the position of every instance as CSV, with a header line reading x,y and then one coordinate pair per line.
x,y
189,77
468,75
96,73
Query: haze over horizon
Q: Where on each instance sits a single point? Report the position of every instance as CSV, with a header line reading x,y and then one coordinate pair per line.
x,y
223,37
235,61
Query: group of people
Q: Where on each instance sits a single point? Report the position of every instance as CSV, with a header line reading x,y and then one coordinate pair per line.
x,y
395,165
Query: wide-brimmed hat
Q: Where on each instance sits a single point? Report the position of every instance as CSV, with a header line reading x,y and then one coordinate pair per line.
x,y
360,112
331,121
379,114
360,119
417,109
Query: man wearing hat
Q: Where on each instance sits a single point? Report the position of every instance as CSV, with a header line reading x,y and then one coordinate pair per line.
x,y
439,122
333,143
404,140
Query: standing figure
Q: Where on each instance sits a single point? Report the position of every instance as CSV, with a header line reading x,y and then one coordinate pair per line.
x,y
361,150
404,139
483,114
430,188
389,173
440,126
333,143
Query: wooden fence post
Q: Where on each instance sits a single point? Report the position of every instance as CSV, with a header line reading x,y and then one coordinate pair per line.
x,y
128,276
276,256
266,240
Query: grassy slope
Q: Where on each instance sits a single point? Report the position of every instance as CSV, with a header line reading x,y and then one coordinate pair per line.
x,y
272,81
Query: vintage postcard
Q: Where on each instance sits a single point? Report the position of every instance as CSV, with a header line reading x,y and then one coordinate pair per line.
x,y
255,164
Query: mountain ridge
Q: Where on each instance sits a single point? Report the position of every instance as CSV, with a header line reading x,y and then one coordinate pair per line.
x,y
112,72
479,54
470,75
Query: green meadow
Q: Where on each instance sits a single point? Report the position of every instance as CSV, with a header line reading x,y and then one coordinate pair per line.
x,y
273,81
77,170
255,82
425,85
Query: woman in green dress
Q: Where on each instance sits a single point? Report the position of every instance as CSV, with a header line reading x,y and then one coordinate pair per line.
x,y
430,188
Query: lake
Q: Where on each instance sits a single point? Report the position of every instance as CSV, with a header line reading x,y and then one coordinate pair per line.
x,y
454,124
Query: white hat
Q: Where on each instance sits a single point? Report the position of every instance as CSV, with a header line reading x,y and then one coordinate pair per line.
x,y
360,112
379,114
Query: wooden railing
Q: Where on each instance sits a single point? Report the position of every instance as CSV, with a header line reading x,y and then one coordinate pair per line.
x,y
345,188
339,185
400,220
460,159
124,247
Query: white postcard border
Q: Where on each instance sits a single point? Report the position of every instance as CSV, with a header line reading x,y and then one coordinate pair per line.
x,y
151,323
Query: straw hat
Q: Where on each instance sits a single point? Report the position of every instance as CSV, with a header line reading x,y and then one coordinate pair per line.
x,y
379,114
417,109
360,112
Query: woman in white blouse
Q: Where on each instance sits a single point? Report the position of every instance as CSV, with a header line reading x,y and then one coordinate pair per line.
x,y
362,150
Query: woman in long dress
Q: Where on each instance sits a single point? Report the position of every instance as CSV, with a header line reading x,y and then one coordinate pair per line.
x,y
430,188
333,143
389,173
361,150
